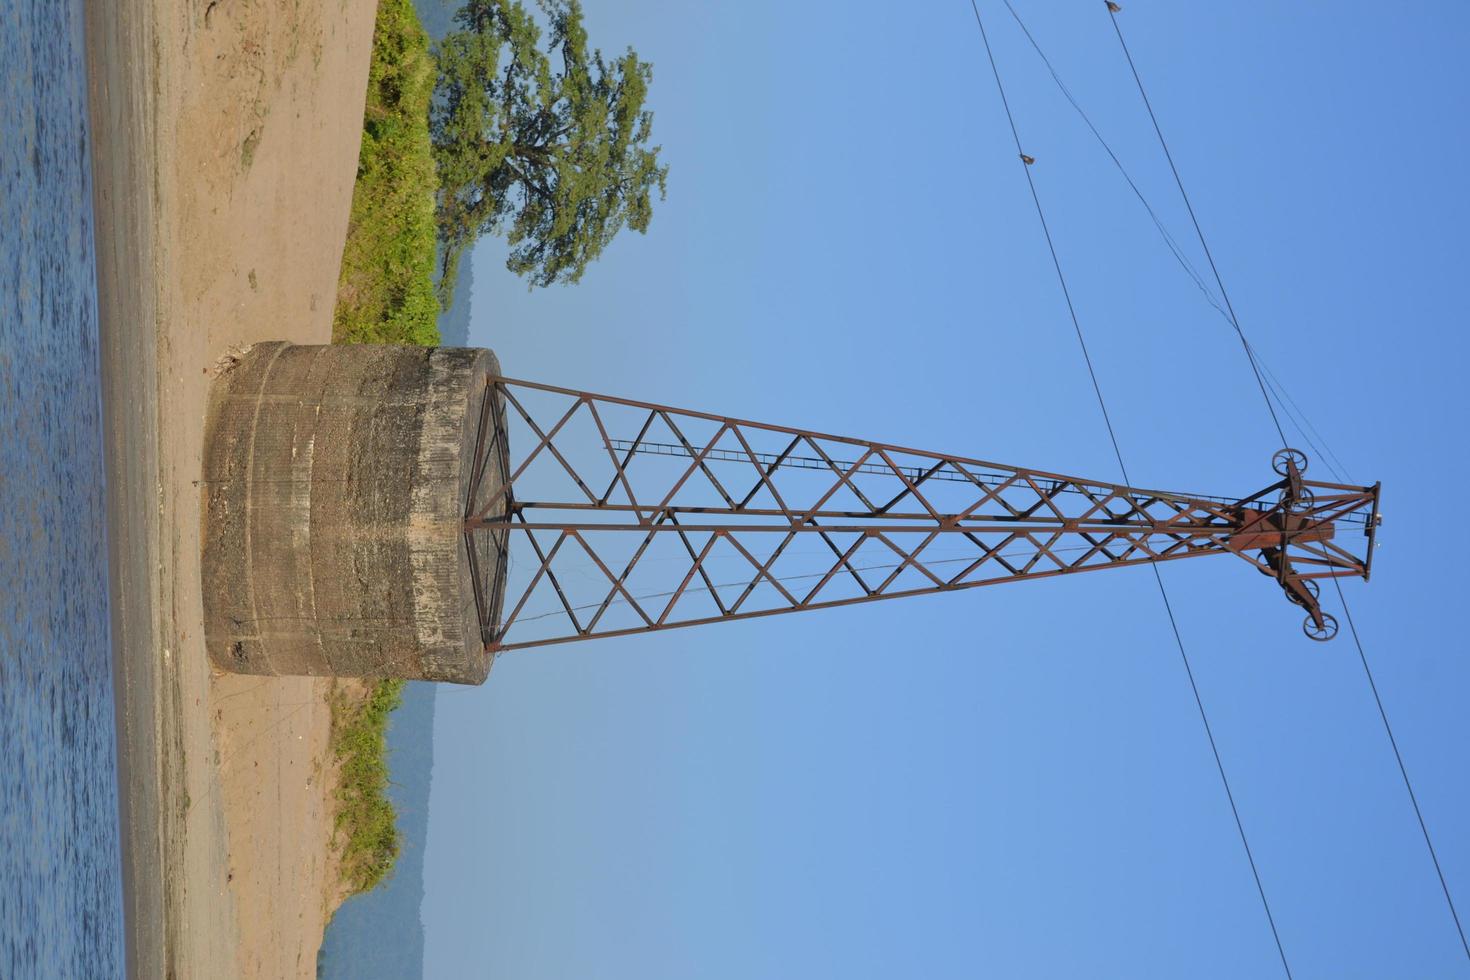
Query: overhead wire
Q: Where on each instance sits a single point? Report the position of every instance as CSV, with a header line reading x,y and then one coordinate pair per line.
x,y
1283,398
1403,770
1026,162
1294,413
1302,425
1158,223
1051,246
1199,231
1342,597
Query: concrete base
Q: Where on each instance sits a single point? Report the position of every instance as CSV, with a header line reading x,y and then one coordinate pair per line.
x,y
336,484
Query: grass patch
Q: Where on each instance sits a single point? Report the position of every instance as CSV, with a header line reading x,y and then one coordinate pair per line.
x,y
386,290
366,827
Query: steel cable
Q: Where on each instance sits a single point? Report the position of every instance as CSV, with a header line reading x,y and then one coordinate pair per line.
x,y
1179,182
1342,597
1122,466
1403,770
1283,397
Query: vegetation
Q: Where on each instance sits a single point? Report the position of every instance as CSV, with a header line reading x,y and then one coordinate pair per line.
x,y
386,291
366,829
556,159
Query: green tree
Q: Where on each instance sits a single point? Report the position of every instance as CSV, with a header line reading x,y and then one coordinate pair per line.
x,y
557,160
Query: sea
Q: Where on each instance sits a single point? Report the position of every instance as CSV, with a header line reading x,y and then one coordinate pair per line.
x,y
61,902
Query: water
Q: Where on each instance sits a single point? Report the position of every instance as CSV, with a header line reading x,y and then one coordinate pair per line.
x,y
380,935
60,855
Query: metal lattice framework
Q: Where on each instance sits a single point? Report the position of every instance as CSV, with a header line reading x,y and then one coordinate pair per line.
x,y
621,516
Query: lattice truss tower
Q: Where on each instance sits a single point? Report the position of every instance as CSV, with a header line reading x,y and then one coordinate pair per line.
x,y
606,516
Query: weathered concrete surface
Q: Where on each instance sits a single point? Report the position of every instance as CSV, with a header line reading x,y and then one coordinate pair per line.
x,y
337,480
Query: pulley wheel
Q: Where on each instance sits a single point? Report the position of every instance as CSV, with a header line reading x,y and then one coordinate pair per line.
x,y
1279,461
1326,631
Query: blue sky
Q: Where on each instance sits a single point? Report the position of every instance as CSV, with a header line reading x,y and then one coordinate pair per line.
x,y
1011,782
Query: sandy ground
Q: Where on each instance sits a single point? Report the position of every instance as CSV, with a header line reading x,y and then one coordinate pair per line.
x,y
225,138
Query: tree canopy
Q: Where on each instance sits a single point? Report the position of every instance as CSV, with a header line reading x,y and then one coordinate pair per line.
x,y
557,160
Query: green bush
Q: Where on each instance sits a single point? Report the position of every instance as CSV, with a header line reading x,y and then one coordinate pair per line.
x,y
366,827
386,290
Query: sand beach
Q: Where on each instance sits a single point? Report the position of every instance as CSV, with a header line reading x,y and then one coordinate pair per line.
x,y
225,137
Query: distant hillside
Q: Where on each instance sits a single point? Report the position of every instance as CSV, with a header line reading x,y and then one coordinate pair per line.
x,y
379,935
454,323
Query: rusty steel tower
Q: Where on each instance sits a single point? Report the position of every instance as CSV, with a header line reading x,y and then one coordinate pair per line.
x,y
598,516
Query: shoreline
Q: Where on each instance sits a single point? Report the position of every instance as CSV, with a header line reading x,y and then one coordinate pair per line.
x,y
122,104
224,149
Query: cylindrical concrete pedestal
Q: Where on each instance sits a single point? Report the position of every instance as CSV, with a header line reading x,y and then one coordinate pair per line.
x,y
337,480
